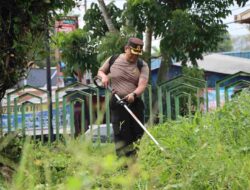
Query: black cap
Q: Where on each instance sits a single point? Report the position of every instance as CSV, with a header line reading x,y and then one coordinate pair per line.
x,y
136,45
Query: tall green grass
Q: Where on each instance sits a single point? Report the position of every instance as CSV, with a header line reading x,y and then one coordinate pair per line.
x,y
72,166
207,152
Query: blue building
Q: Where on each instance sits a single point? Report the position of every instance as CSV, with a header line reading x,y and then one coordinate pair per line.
x,y
215,65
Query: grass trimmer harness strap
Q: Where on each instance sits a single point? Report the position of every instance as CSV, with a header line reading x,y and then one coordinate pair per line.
x,y
114,57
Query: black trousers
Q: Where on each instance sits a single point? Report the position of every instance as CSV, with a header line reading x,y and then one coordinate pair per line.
x,y
126,129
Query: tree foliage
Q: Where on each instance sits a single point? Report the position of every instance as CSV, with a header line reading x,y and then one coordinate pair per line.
x,y
22,25
78,52
111,44
80,48
10,155
94,21
187,28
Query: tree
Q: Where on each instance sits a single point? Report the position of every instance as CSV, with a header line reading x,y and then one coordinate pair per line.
x,y
187,28
95,23
144,16
107,26
88,42
111,44
85,41
106,16
78,52
22,26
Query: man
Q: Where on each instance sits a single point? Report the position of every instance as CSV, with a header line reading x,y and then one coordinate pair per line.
x,y
129,81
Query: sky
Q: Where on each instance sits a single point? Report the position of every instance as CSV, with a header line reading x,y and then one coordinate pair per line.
x,y
233,28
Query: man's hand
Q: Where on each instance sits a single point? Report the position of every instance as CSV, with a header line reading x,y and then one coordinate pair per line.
x,y
130,98
105,81
113,91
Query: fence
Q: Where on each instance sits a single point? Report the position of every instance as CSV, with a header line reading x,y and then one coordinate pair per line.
x,y
84,109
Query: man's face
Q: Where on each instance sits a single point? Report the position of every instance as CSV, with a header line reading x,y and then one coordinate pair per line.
x,y
132,58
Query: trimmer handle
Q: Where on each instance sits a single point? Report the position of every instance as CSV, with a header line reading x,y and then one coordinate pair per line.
x,y
98,83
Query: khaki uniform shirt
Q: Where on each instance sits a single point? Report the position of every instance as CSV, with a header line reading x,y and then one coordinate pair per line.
x,y
124,75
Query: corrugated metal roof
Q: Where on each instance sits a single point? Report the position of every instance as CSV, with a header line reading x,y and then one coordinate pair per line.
x,y
222,64
155,63
243,54
38,78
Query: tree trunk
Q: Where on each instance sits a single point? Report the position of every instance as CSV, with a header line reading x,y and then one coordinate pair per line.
x,y
106,16
148,46
164,68
1,108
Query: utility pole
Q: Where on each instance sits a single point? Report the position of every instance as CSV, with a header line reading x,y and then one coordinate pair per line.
x,y
48,67
1,118
85,6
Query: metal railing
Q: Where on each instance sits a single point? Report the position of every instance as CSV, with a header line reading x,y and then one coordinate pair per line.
x,y
79,108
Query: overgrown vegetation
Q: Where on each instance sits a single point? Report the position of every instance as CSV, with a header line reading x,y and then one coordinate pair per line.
x,y
10,155
76,165
206,152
